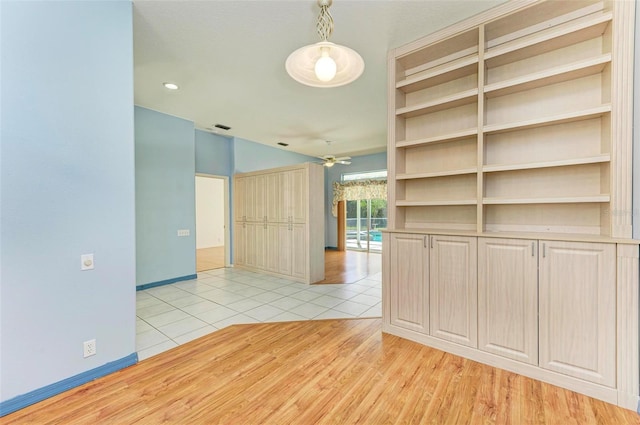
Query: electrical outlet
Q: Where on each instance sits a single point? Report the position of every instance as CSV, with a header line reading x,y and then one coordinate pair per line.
x,y
183,232
89,348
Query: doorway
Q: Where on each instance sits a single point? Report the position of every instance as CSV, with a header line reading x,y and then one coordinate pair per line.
x,y
364,218
212,222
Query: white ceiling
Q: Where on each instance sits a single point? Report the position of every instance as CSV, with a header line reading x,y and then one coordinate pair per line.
x,y
228,59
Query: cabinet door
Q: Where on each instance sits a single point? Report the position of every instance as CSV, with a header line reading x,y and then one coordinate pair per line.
x,y
260,198
249,198
284,207
298,196
272,247
299,250
508,298
284,249
240,245
578,310
409,281
273,197
259,240
453,289
238,197
249,243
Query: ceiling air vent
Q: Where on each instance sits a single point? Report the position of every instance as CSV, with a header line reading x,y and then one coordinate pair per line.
x,y
283,144
222,126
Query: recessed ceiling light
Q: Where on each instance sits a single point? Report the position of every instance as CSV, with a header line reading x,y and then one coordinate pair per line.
x,y
171,86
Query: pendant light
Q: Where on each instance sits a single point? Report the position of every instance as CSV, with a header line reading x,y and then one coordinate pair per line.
x,y
324,64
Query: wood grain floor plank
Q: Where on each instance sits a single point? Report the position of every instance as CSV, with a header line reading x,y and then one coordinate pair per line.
x,y
209,258
349,266
315,372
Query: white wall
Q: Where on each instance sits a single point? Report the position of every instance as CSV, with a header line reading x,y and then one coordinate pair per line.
x,y
209,212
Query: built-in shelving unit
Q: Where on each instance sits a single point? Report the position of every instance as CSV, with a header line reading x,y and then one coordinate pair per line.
x,y
509,194
516,116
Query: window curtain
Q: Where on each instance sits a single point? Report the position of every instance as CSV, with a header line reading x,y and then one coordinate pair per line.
x,y
357,189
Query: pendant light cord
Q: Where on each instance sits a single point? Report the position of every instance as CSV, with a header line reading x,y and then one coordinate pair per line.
x,y
324,26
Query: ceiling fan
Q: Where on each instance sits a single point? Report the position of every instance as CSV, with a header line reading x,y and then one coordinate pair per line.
x,y
330,160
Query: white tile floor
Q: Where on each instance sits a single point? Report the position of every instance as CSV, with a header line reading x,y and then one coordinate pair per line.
x,y
170,315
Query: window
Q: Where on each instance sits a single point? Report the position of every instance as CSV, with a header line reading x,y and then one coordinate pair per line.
x,y
367,175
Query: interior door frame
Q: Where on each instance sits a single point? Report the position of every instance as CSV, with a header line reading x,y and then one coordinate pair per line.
x,y
225,208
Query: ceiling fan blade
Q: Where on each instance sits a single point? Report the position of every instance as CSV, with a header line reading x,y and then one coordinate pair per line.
x,y
343,158
344,162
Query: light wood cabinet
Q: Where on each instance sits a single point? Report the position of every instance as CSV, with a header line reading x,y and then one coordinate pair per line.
x,y
578,310
260,198
250,200
275,200
284,246
514,127
298,197
408,264
287,198
249,244
559,311
259,241
508,298
281,212
240,242
272,249
453,289
299,261
238,202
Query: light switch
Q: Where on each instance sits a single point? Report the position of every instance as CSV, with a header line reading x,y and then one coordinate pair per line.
x,y
184,232
86,262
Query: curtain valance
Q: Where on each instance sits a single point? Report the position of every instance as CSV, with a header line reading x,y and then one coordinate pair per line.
x,y
357,189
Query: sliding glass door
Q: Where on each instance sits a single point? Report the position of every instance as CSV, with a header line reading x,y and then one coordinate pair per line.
x,y
364,217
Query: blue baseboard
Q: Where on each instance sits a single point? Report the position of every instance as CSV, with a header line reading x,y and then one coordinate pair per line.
x,y
22,401
166,282
332,248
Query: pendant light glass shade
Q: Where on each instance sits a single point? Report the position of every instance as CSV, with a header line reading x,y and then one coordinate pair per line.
x,y
302,65
324,64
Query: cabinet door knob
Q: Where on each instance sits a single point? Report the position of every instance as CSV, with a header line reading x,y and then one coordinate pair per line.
x,y
544,250
431,242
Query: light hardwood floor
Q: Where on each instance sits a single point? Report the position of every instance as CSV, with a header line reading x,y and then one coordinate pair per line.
x,y
316,372
349,266
209,258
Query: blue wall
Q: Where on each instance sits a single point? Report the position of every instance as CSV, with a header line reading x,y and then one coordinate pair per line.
x,y
67,188
165,197
169,151
214,154
250,156
374,162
